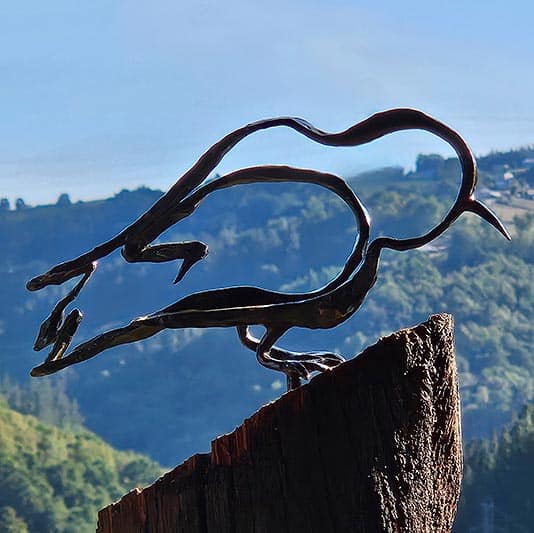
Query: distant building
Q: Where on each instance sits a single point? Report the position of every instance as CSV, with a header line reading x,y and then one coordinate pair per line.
x,y
504,180
498,168
427,166
485,193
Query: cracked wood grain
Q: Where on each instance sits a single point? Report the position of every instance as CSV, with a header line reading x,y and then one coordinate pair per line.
x,y
372,445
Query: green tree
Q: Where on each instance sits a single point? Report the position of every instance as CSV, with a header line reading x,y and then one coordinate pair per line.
x,y
10,522
499,472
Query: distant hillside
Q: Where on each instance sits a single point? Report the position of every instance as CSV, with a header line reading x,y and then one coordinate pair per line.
x,y
55,480
187,386
497,485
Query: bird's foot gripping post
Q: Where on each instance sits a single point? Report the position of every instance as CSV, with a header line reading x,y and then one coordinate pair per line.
x,y
302,366
293,381
296,366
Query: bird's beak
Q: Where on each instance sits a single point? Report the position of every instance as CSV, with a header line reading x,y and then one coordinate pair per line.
x,y
477,207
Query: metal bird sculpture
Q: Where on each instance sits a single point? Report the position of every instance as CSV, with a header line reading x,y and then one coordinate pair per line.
x,y
243,307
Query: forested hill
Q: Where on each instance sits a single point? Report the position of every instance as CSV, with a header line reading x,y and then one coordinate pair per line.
x,y
56,479
497,484
170,395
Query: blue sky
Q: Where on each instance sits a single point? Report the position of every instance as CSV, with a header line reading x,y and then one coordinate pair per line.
x,y
99,96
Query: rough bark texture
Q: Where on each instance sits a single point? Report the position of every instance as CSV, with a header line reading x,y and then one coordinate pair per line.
x,y
373,445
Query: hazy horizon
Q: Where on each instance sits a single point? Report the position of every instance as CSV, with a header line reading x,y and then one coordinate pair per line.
x,y
104,192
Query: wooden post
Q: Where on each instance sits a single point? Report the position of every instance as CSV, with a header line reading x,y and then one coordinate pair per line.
x,y
373,445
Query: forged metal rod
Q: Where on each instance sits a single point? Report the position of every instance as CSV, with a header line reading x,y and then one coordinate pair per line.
x,y
135,239
321,360
50,329
246,306
271,174
281,174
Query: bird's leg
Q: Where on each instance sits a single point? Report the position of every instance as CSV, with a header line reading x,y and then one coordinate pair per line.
x,y
293,381
312,361
296,365
293,372
189,251
327,359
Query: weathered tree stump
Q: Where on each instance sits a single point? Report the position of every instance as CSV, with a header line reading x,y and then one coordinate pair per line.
x,y
373,445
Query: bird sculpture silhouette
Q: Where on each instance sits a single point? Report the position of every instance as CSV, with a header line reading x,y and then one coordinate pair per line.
x,y
243,307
